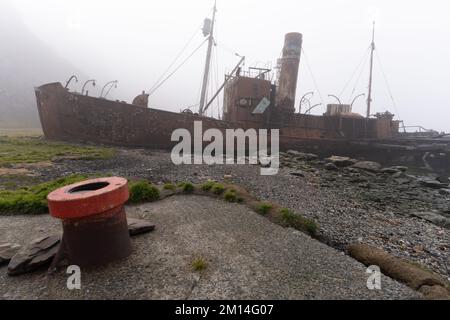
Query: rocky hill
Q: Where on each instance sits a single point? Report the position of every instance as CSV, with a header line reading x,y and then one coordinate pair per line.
x,y
25,62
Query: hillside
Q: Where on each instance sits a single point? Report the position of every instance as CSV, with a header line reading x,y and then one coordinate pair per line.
x,y
25,62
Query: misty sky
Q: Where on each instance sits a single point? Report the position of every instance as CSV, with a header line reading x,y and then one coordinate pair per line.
x,y
134,41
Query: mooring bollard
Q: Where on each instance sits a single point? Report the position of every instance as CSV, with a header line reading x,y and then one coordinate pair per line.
x,y
94,222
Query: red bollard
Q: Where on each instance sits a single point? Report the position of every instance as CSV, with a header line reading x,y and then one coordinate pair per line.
x,y
95,229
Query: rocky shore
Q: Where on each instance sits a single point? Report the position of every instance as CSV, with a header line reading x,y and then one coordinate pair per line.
x,y
352,201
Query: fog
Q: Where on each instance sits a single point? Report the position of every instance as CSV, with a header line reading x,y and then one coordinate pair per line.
x,y
135,41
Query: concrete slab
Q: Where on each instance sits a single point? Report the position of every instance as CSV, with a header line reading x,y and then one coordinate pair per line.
x,y
248,258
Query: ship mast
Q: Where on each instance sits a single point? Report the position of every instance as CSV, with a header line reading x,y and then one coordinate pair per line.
x,y
207,63
369,96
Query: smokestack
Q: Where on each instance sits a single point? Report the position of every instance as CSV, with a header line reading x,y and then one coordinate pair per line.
x,y
287,82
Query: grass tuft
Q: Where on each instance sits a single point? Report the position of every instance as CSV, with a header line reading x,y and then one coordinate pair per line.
x,y
188,187
218,188
207,186
290,219
142,191
32,150
230,195
199,264
264,208
170,186
33,200
311,227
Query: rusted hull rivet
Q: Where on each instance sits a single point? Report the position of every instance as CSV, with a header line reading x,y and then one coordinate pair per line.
x,y
95,230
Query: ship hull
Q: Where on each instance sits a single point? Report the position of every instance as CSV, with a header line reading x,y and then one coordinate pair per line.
x,y
73,117
76,118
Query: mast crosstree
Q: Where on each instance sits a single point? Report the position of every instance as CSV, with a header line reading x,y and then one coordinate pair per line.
x,y
208,62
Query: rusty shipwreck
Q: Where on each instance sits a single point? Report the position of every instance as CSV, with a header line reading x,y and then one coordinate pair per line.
x,y
251,100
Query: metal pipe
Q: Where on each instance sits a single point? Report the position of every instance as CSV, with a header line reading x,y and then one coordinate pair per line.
x,y
115,82
303,99
361,95
314,106
70,80
85,84
333,96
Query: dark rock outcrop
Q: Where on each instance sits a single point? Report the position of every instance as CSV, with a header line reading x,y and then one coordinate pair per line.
x,y
136,226
341,161
41,252
34,256
7,251
369,166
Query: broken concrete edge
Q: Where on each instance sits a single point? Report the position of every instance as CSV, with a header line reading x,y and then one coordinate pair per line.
x,y
41,252
428,283
412,274
236,194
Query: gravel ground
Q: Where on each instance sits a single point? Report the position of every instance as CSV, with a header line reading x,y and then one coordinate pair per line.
x,y
371,209
248,257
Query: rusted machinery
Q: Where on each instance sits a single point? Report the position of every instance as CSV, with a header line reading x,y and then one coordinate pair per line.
x,y
95,230
289,66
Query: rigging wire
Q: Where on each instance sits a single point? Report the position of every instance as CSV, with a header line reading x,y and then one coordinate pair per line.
x,y
216,71
177,68
176,58
359,77
312,76
208,84
217,86
179,54
216,53
387,83
199,89
213,80
228,49
363,60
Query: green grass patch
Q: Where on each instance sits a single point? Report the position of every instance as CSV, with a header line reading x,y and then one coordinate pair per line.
x,y
218,188
170,186
33,200
264,208
21,132
17,181
230,195
207,186
199,264
33,149
142,191
187,187
290,219
311,226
